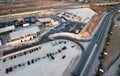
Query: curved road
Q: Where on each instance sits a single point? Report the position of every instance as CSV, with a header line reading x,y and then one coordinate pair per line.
x,y
88,57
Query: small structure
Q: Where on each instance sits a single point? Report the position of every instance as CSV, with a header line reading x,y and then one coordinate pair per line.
x,y
54,23
45,21
23,35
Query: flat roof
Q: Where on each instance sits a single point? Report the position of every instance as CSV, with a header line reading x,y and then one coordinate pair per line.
x,y
8,28
45,19
84,14
24,31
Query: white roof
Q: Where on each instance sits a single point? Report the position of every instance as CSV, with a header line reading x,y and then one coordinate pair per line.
x,y
45,19
26,24
24,31
84,13
8,28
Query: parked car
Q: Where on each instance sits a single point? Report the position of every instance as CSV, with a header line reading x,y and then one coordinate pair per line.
x,y
30,19
9,23
118,18
2,24
16,23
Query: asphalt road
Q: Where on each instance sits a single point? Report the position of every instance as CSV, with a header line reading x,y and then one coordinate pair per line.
x,y
83,68
42,40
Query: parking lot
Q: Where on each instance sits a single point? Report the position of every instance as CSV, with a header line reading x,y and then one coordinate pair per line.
x,y
72,27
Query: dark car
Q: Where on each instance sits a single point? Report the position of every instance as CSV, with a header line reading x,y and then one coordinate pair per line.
x,y
9,23
27,19
30,19
118,18
33,19
16,23
2,24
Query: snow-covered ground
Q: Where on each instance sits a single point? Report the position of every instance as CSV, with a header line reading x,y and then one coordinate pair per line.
x,y
44,65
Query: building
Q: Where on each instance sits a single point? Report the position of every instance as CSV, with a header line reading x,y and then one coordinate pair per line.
x,y
78,15
48,22
7,29
45,21
23,35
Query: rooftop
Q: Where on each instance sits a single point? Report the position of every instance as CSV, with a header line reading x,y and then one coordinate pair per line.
x,y
24,31
6,29
45,19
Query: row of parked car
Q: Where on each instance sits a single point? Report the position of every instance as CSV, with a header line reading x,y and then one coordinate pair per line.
x,y
71,27
19,22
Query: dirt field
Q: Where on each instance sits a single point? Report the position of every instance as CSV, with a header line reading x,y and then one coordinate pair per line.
x,y
29,5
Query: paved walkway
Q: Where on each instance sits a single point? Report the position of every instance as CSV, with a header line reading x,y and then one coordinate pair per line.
x,y
113,50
